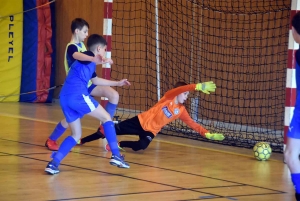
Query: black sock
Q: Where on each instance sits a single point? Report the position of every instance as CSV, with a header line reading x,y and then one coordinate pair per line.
x,y
92,137
134,145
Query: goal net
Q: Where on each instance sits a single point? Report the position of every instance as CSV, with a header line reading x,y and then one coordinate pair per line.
x,y
240,45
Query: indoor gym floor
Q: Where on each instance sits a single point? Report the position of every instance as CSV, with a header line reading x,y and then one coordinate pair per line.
x,y
169,169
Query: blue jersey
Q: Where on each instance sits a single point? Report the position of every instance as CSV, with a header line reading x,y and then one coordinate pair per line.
x,y
75,99
297,55
294,128
69,59
79,75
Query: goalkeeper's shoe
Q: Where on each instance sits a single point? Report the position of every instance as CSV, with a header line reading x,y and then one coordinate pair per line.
x,y
215,136
118,161
51,145
107,147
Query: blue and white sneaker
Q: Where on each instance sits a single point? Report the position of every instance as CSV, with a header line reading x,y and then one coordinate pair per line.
x,y
118,161
51,169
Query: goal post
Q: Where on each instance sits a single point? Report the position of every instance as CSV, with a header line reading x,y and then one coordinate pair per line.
x,y
241,46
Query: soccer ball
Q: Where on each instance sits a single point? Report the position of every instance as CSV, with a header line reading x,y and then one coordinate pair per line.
x,y
262,151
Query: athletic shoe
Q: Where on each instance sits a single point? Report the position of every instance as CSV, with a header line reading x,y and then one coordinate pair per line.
x,y
51,169
118,161
51,145
100,131
107,147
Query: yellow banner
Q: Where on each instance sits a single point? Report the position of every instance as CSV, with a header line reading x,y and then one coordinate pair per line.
x,y
11,34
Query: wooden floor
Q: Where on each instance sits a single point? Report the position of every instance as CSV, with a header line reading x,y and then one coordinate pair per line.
x,y
170,169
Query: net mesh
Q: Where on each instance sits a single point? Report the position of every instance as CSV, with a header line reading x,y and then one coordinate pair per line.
x,y
240,45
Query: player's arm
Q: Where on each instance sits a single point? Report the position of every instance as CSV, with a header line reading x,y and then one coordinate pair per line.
x,y
82,57
176,91
97,59
73,52
205,87
185,117
104,82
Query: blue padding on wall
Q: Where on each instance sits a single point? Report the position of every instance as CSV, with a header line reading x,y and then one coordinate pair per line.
x,y
29,60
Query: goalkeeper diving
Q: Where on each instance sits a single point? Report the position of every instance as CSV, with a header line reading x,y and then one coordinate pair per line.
x,y
149,123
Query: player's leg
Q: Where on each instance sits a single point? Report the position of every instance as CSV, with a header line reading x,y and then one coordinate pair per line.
x,y
111,106
65,147
108,127
59,130
133,127
108,92
292,151
291,155
74,107
126,127
146,138
130,126
141,144
99,134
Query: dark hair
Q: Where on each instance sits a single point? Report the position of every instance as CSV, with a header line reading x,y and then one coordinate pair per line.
x,y
296,22
94,40
78,23
179,84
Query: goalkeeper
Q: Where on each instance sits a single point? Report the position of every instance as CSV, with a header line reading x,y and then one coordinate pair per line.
x,y
147,124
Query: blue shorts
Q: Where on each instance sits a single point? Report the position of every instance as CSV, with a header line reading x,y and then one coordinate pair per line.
x,y
294,129
90,89
76,106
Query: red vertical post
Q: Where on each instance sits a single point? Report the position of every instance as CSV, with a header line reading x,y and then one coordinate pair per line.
x,y
107,33
291,74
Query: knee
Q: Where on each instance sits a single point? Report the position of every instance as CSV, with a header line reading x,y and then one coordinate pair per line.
x,y
290,157
105,118
144,144
140,145
113,97
64,123
286,156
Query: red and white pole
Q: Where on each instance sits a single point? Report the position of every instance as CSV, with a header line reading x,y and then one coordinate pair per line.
x,y
107,33
290,97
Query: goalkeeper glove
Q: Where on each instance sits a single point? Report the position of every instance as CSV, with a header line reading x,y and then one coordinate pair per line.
x,y
215,136
206,87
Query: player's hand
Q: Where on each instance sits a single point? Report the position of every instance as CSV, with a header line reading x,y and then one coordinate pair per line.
x,y
123,82
108,60
215,136
206,87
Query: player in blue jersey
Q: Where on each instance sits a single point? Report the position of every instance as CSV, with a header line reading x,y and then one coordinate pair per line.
x,y
74,49
292,151
76,101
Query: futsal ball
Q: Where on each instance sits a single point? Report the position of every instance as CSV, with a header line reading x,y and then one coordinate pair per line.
x,y
262,151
